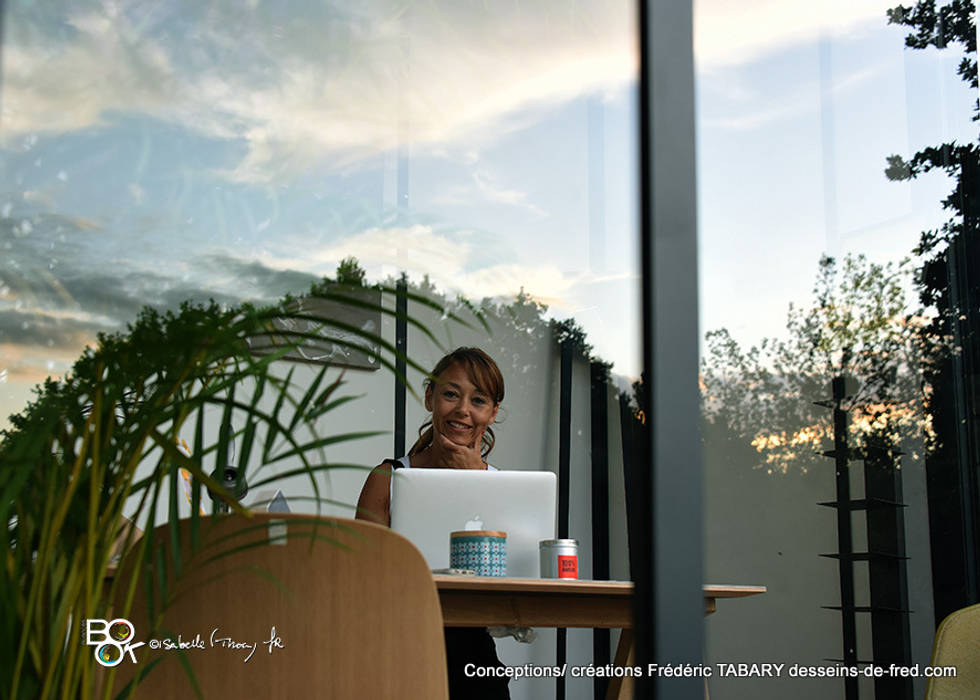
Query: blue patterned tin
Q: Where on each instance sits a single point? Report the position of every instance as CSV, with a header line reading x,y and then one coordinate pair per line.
x,y
483,551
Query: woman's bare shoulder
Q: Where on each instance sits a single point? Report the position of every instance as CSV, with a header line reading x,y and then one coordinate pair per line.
x,y
381,473
374,502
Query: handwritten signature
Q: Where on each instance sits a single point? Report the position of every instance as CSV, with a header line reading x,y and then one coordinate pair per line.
x,y
215,641
273,642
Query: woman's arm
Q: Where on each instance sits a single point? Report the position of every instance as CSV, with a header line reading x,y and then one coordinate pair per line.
x,y
374,503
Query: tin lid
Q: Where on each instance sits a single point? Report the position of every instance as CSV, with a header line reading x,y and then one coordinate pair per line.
x,y
552,543
455,572
478,533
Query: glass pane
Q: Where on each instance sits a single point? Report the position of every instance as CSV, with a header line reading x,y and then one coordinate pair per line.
x,y
158,153
834,245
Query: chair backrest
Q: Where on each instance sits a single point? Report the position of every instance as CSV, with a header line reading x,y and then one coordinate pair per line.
x,y
957,644
353,604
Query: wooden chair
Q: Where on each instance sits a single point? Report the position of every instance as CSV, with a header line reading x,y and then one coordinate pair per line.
x,y
957,644
354,607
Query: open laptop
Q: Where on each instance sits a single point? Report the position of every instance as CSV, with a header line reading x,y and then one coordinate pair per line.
x,y
428,504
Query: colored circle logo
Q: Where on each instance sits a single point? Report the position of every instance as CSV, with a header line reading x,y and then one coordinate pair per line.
x,y
109,654
120,631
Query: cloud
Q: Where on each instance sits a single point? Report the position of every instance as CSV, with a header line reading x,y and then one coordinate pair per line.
x,y
27,365
58,264
753,119
328,85
416,249
732,33
489,187
745,113
486,185
45,329
61,84
455,262
257,281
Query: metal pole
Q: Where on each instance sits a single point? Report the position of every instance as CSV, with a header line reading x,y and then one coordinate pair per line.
x,y
401,344
669,605
564,467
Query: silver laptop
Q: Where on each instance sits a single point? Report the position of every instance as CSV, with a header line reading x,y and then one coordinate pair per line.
x,y
428,504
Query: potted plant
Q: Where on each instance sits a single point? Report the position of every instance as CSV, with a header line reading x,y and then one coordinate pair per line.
x,y
101,446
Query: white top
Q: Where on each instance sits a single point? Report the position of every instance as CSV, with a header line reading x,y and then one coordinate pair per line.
x,y
407,463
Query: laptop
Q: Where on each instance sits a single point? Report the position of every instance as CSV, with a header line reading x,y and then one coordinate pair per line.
x,y
428,504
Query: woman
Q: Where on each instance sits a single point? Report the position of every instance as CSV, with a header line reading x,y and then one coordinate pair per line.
x,y
463,393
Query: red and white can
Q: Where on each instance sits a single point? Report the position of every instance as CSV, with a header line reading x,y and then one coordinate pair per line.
x,y
559,558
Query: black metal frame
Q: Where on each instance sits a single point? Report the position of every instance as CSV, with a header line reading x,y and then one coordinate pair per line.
x,y
845,541
888,578
891,636
668,567
401,368
599,429
564,470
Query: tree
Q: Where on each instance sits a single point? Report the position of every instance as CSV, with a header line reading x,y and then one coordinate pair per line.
x,y
949,283
857,326
350,272
948,279
953,24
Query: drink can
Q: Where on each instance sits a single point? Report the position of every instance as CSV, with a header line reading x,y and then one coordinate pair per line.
x,y
559,558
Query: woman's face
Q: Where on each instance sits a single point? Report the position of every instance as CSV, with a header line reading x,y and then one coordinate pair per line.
x,y
460,411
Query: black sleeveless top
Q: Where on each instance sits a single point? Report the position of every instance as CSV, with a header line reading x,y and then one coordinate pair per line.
x,y
469,645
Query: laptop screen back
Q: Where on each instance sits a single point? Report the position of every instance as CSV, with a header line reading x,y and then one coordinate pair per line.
x,y
428,504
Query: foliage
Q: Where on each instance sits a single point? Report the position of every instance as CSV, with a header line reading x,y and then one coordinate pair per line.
x,y
949,284
102,443
856,326
948,279
952,24
350,272
519,326
568,331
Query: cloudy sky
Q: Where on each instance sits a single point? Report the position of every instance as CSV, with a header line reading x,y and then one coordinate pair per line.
x,y
151,153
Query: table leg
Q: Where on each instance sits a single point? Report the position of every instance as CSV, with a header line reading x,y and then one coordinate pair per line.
x,y
622,688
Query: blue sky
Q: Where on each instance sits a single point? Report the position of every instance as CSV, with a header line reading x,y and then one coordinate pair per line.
x,y
791,152
237,150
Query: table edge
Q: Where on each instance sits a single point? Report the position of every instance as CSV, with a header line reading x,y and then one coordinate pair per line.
x,y
572,586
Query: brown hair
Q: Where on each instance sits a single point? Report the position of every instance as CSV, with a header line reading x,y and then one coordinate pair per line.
x,y
484,374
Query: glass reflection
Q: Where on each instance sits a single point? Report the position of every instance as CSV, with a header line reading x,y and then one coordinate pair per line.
x,y
837,147
153,154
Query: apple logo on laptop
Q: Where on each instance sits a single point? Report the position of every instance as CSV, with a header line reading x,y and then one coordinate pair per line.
x,y
474,524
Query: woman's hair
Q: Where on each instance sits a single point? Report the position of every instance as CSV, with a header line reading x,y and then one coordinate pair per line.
x,y
485,375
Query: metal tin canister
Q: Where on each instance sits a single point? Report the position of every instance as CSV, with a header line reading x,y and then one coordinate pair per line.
x,y
559,558
483,551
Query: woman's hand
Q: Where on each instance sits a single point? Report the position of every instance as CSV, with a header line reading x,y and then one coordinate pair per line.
x,y
455,456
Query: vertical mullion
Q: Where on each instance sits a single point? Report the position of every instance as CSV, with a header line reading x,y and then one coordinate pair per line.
x,y
600,506
401,367
564,468
669,603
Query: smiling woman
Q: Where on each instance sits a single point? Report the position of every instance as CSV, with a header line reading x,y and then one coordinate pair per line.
x,y
463,396
463,392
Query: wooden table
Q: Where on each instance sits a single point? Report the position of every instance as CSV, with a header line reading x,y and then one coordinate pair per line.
x,y
476,601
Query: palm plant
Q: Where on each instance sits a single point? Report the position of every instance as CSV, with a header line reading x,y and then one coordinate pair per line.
x,y
103,443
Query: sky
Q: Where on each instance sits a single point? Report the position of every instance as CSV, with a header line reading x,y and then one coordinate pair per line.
x,y
151,153
792,145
